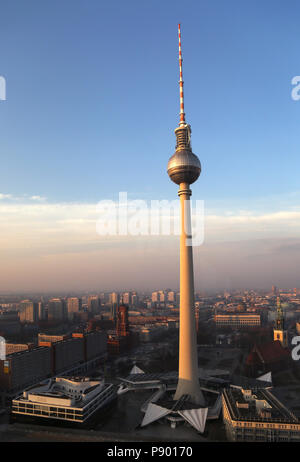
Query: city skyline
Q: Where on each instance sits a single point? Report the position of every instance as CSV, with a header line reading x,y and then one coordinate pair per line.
x,y
55,160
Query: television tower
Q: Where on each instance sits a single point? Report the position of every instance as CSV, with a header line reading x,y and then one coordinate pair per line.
x,y
184,169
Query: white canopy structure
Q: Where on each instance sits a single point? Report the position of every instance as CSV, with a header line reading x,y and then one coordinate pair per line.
x,y
266,377
214,411
153,413
195,417
136,370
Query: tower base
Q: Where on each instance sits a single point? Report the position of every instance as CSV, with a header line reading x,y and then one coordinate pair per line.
x,y
190,388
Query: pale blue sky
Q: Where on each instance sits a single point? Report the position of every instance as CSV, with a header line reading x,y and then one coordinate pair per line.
x,y
92,97
93,101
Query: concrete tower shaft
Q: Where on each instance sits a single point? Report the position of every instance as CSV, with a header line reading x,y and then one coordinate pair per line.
x,y
188,382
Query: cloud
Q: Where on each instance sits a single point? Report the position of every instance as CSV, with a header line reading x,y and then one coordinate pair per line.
x,y
5,196
23,198
40,224
38,198
248,225
56,245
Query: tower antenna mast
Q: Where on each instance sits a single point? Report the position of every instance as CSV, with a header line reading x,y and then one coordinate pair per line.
x,y
182,114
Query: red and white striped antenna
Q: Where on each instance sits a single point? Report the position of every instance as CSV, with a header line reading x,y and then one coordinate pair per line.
x,y
182,114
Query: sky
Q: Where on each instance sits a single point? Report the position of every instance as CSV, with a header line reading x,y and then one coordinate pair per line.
x,y
92,101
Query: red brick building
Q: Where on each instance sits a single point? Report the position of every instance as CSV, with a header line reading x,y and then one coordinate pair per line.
x,y
271,356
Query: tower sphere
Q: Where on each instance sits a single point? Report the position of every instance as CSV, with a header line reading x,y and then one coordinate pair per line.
x,y
184,167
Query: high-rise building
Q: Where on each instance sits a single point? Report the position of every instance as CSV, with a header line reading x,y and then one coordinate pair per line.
x,y
73,307
23,368
41,311
122,338
28,311
162,296
159,297
95,343
9,323
126,298
104,297
122,321
134,299
94,304
57,309
184,169
171,297
155,297
114,299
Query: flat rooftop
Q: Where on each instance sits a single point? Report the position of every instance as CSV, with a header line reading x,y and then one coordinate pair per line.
x,y
275,411
148,378
172,377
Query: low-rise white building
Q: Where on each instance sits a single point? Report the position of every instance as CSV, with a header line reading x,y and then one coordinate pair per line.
x,y
69,399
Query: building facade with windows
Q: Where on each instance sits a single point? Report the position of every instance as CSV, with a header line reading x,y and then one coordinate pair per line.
x,y
257,415
66,399
29,311
237,320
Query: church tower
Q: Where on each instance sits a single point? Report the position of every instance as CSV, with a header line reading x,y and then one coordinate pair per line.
x,y
279,332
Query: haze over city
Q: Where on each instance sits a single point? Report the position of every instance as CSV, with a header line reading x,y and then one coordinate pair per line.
x,y
90,111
